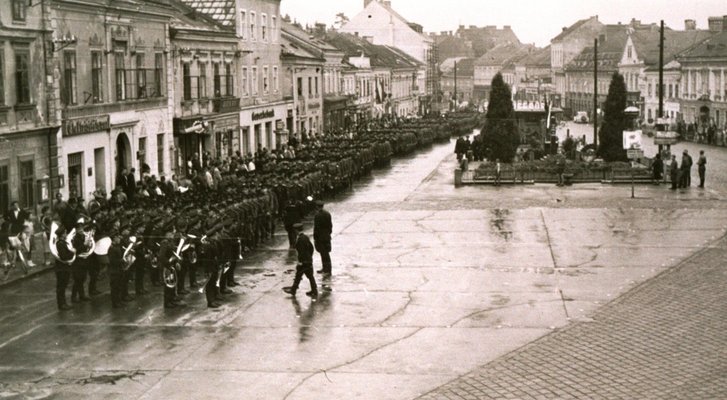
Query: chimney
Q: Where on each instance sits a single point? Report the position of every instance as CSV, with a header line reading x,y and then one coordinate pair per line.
x,y
506,27
565,28
690,25
320,29
635,22
387,3
716,24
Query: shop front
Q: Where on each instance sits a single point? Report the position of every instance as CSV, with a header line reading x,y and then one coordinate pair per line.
x,y
87,151
334,113
258,126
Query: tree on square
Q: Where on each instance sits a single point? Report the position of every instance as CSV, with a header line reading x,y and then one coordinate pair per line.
x,y
500,134
614,121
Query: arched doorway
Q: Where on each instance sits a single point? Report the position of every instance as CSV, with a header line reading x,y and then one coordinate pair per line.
x,y
123,153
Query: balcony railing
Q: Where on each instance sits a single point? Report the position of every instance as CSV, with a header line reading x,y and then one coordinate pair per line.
x,y
225,104
143,83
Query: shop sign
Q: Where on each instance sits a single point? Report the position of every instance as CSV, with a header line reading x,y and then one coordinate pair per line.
x,y
82,126
263,115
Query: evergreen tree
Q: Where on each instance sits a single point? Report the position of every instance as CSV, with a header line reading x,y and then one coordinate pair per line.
x,y
500,135
614,121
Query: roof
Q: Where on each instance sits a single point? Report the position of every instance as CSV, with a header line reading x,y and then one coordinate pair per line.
x,y
712,47
646,43
504,55
452,46
610,51
380,56
221,11
567,31
187,18
539,57
465,66
396,15
487,38
299,43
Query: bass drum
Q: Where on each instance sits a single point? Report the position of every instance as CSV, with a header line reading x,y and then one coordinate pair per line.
x,y
170,277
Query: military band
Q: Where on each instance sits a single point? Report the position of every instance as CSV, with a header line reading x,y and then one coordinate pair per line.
x,y
188,235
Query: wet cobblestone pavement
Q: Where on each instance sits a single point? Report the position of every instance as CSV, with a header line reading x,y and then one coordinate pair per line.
x,y
666,339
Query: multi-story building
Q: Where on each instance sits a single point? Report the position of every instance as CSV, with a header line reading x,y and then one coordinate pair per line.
x,y
303,64
357,77
499,59
486,38
703,89
641,53
112,60
263,111
28,121
461,80
566,46
205,58
579,77
533,76
379,23
391,83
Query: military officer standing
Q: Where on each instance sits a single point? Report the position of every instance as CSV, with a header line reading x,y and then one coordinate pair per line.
x,y
322,229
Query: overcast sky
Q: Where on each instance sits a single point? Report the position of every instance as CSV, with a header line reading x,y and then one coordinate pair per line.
x,y
534,21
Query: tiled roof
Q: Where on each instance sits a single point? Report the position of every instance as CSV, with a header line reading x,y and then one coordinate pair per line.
x,y
221,11
537,58
713,47
647,43
610,51
503,55
465,66
572,28
380,56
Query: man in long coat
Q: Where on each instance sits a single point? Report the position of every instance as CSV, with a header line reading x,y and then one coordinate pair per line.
x,y
322,229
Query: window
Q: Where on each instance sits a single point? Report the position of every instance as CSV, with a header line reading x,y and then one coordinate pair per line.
x,y
264,27
96,77
22,77
158,74
243,24
140,76
275,79
273,28
120,72
69,78
160,154
229,80
20,10
317,86
300,87
310,87
2,81
202,81
216,79
244,81
142,150
255,87
253,36
27,184
266,88
186,82
4,188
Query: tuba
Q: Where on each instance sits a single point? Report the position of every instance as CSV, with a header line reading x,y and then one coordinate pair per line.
x,y
129,256
53,242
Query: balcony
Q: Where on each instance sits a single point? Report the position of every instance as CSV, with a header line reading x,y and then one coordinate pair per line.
x,y
225,104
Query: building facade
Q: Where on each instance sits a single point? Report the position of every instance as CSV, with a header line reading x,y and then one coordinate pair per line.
x,y
112,65
566,46
205,58
28,120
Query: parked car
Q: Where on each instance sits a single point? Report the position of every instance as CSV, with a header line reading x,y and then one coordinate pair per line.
x,y
581,117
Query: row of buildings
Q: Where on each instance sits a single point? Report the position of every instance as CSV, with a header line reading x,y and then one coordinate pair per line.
x,y
695,86
90,88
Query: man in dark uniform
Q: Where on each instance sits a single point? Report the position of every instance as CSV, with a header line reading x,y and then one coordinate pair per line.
x,y
63,267
167,260
322,229
80,265
116,272
305,263
291,217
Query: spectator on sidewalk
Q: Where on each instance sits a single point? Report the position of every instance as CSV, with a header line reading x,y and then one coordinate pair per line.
x,y
16,218
657,169
702,166
674,172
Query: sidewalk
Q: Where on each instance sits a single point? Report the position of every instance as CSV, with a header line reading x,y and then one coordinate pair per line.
x,y
664,339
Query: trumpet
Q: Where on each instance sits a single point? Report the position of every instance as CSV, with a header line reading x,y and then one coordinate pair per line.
x,y
129,256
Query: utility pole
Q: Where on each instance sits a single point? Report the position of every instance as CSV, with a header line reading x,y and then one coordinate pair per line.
x,y
595,93
661,77
455,85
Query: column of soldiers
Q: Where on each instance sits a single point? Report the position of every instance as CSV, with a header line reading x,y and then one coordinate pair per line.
x,y
189,234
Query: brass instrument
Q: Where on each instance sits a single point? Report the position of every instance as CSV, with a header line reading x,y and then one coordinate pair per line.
x,y
53,241
129,254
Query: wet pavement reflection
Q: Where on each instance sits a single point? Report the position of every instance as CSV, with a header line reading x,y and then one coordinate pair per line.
x,y
428,283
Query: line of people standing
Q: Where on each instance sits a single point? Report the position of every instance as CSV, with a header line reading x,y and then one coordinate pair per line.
x,y
680,174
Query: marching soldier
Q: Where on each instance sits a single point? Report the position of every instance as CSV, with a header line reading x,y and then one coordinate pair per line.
x,y
116,272
305,264
65,255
